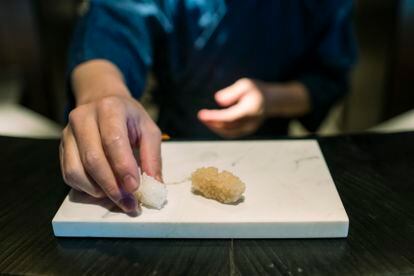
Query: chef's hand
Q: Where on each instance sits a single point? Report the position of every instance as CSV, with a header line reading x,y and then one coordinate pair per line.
x,y
96,150
248,102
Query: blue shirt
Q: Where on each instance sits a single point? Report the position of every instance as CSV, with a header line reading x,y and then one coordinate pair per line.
x,y
196,47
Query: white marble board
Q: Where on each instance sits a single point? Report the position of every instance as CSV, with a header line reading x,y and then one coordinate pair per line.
x,y
289,194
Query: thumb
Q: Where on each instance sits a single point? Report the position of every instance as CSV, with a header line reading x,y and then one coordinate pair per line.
x,y
230,95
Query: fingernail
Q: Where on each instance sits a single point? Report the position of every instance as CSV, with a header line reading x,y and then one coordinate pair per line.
x,y
130,183
129,203
159,178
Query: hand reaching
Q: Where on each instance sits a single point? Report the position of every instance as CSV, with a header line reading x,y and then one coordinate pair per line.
x,y
248,102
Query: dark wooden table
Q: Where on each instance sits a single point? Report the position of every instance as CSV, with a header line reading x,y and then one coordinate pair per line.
x,y
374,175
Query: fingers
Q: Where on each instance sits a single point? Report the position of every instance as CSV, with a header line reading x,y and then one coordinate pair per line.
x,y
241,100
65,171
150,150
116,143
97,152
87,136
72,169
244,112
230,114
232,94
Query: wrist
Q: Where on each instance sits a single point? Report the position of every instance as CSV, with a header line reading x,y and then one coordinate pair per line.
x,y
97,79
286,100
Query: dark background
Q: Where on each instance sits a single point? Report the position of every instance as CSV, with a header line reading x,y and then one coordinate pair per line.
x,y
34,36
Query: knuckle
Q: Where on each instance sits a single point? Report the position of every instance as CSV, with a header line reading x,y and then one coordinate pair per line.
x,y
70,176
91,159
76,115
154,131
247,83
113,138
244,81
122,166
108,103
73,116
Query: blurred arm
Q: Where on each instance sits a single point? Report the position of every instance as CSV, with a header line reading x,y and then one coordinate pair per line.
x,y
326,73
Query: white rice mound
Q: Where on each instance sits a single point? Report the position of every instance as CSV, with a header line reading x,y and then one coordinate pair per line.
x,y
151,192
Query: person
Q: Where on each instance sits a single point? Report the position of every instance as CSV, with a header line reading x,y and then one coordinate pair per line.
x,y
227,69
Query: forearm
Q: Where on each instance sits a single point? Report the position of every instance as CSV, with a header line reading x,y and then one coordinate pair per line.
x,y
96,79
286,100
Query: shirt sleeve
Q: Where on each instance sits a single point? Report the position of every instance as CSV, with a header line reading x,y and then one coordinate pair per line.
x,y
122,32
326,74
